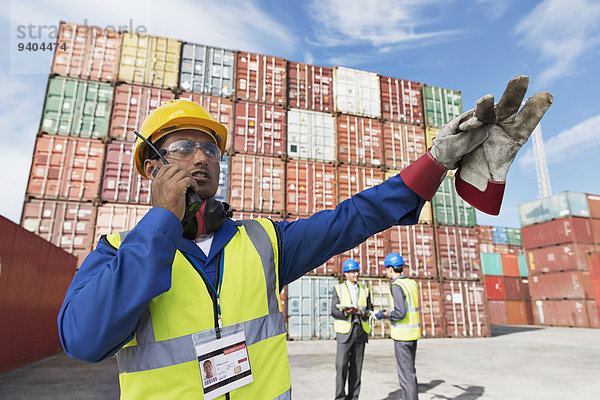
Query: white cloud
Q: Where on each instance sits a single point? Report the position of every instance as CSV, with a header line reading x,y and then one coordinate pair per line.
x,y
379,23
494,8
562,32
568,144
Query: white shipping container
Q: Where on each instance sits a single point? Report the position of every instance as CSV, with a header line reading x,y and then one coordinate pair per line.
x,y
311,135
356,92
208,70
114,218
559,205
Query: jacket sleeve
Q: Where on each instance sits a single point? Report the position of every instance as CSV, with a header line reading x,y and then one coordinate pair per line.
x,y
399,304
112,288
335,312
365,316
308,243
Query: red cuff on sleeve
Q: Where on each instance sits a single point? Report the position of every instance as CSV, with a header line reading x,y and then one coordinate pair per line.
x,y
424,176
488,201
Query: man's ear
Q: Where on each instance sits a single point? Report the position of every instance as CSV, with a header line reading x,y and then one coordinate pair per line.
x,y
149,167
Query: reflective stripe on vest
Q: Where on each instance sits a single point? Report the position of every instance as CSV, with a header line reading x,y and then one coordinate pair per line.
x,y
409,328
160,361
343,326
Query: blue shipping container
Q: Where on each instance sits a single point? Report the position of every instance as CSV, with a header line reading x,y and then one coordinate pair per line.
x,y
500,235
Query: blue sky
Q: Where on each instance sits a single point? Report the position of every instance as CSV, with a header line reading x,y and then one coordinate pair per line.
x,y
474,46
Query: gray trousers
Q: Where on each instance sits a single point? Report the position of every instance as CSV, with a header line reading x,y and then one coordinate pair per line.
x,y
348,364
405,361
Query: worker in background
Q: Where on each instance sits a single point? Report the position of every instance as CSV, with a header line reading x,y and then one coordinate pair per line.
x,y
405,321
183,282
350,306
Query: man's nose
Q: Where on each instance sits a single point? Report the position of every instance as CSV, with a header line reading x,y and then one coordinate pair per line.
x,y
200,157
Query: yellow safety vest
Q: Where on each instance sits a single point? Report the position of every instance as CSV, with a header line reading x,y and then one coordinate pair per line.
x,y
408,328
160,362
344,325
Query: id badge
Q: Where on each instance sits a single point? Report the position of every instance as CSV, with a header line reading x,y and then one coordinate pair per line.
x,y
223,359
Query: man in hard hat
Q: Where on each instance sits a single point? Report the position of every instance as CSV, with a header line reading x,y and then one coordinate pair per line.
x,y
350,306
406,323
183,282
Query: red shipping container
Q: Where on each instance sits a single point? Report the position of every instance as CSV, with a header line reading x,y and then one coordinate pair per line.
x,y
513,288
595,230
121,182
516,312
497,311
510,265
432,315
260,78
416,245
562,257
564,230
403,144
310,87
458,253
501,248
593,262
259,129
594,205
257,184
359,140
310,187
87,52
68,225
401,100
114,218
352,180
465,309
561,313
561,285
66,168
369,255
525,286
131,106
220,108
514,249
529,312
34,281
593,313
485,233
494,287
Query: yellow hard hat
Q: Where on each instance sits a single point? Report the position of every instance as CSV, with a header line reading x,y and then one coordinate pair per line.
x,y
173,116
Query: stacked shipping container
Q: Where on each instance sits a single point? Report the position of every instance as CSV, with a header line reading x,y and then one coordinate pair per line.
x,y
561,250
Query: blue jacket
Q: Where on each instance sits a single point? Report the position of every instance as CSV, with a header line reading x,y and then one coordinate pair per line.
x,y
112,289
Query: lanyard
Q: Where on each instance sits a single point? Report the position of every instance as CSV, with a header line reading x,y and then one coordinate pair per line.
x,y
216,291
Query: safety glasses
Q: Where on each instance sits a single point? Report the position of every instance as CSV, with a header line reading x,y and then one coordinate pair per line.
x,y
184,149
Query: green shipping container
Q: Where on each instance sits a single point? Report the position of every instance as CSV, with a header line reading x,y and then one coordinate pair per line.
x,y
449,208
491,264
76,107
514,236
440,105
522,265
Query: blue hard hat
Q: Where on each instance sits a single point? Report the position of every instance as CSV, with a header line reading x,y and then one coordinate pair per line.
x,y
350,265
394,260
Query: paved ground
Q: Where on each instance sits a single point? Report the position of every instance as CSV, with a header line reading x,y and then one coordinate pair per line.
x,y
516,363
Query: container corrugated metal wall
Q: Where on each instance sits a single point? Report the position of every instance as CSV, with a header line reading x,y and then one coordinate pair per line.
x,y
510,265
593,205
491,263
485,233
556,206
514,236
440,105
149,60
500,235
357,92
311,136
458,253
465,309
562,257
562,312
261,78
76,107
223,188
259,129
494,287
310,87
359,140
114,218
449,208
522,265
369,255
207,70
403,144
416,244
497,312
120,182
310,187
352,179
401,100
89,52
561,285
34,280
564,230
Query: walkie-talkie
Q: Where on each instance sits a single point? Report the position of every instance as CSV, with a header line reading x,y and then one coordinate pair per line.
x,y
193,202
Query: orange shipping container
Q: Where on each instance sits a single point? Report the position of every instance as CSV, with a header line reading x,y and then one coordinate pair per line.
x,y
401,100
310,87
458,253
35,278
114,218
561,285
66,168
257,184
220,108
359,140
121,183
261,78
510,265
131,105
87,52
465,309
415,243
352,180
516,312
68,225
594,205
310,187
259,129
403,144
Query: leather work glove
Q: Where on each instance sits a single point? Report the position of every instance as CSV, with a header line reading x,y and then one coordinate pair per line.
x,y
481,177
